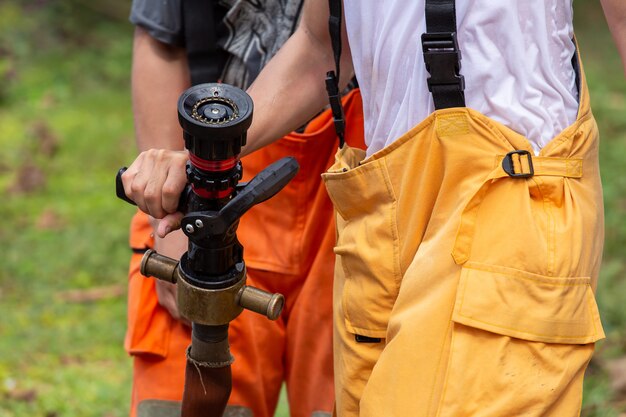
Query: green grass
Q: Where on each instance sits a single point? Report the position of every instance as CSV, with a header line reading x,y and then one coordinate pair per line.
x,y
608,95
65,120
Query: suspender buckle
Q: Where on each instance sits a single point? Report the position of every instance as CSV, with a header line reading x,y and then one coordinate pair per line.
x,y
443,61
508,164
334,98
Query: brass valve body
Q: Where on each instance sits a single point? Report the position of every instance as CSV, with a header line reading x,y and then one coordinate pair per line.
x,y
212,307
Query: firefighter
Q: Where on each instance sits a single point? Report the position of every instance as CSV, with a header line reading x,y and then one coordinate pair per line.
x,y
288,240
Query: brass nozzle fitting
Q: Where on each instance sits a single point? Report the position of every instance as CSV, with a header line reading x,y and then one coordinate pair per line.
x,y
159,266
262,302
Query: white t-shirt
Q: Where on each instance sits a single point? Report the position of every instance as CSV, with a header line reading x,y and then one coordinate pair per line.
x,y
516,59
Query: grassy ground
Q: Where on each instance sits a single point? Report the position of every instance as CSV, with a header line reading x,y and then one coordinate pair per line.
x,y
605,388
65,126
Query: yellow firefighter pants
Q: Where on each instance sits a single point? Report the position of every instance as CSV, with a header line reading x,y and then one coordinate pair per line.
x,y
479,285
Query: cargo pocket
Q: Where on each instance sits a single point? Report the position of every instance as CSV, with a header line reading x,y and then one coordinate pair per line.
x,y
367,247
149,325
520,343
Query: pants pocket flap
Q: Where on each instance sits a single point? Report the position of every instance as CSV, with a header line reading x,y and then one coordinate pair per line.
x,y
527,306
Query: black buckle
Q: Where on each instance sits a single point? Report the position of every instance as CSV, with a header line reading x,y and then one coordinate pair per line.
x,y
334,98
508,167
443,60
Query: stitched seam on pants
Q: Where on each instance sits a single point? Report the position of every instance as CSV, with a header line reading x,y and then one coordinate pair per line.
x,y
529,276
517,330
448,364
464,239
591,303
347,276
345,293
393,226
550,225
449,334
551,239
580,405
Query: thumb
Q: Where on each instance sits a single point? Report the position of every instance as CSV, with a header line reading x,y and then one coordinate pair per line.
x,y
169,223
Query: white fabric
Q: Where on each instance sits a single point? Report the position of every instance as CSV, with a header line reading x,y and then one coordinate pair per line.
x,y
516,59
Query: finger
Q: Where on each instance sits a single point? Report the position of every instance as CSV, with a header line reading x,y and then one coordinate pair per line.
x,y
129,175
154,182
169,223
140,181
174,184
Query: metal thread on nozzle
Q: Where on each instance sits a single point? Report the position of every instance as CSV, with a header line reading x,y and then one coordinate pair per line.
x,y
262,302
159,266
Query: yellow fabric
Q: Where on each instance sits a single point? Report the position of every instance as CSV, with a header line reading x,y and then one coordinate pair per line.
x,y
480,285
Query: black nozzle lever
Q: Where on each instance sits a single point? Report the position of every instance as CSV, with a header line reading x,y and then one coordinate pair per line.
x,y
262,187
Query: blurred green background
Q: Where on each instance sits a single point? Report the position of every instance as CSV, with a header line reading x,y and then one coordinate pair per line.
x,y
66,126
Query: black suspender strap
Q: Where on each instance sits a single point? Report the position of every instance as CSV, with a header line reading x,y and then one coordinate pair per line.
x,y
334,26
332,77
442,55
206,60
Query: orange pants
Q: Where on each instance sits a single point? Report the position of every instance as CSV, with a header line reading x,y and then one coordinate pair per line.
x,y
288,248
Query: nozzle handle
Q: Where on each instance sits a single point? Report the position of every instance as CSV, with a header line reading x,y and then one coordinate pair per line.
x,y
121,194
119,187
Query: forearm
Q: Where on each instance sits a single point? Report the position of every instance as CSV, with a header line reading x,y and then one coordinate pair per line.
x,y
291,88
159,75
288,93
615,12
